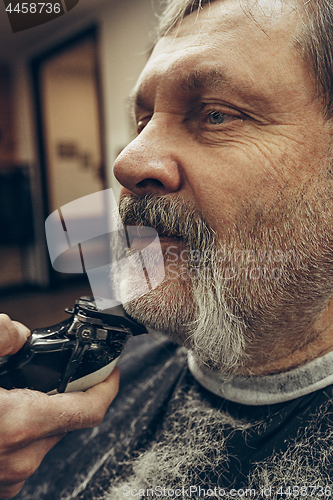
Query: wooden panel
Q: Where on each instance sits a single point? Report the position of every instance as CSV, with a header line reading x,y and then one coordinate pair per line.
x,y
7,133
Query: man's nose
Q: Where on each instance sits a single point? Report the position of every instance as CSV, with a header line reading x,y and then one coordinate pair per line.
x,y
150,164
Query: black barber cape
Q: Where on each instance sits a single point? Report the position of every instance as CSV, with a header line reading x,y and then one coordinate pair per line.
x,y
281,450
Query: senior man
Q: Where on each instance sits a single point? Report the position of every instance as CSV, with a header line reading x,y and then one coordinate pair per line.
x,y
232,166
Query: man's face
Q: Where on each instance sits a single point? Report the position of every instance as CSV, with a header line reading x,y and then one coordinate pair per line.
x,y
229,124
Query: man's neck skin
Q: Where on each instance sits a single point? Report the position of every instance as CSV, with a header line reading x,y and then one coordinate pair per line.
x,y
321,344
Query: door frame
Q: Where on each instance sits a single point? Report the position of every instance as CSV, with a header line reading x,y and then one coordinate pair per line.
x,y
36,66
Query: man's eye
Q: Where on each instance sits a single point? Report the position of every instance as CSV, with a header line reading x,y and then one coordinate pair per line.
x,y
216,117
141,124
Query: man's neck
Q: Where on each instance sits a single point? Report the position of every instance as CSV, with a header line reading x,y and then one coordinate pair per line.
x,y
319,343
266,389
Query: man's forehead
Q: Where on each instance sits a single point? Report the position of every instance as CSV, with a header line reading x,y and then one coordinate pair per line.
x,y
187,55
230,14
223,22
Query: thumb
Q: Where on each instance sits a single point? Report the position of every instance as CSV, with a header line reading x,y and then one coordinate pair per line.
x,y
23,331
12,335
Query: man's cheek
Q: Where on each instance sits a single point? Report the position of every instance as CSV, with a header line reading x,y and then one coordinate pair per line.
x,y
235,168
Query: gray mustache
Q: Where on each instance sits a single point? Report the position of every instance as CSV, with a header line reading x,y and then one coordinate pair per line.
x,y
171,217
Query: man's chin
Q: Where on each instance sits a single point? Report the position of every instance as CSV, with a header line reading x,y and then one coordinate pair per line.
x,y
179,329
167,308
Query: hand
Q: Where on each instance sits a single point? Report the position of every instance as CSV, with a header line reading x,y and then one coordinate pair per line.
x,y
31,422
12,335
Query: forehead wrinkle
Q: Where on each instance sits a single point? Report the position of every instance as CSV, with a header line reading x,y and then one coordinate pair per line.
x,y
196,81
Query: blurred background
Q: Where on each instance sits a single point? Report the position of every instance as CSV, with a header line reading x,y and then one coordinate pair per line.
x,y
63,121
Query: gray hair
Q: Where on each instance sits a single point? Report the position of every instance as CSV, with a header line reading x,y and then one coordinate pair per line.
x,y
316,43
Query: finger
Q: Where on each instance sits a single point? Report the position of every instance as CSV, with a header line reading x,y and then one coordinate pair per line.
x,y
17,466
91,405
12,335
22,329
10,491
30,415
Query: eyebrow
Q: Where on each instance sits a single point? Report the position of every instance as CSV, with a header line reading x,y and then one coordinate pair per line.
x,y
200,80
193,81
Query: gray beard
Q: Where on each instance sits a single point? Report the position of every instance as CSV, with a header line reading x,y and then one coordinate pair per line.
x,y
274,279
194,440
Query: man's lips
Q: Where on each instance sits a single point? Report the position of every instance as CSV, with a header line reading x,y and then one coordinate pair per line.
x,y
165,238
147,235
141,243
